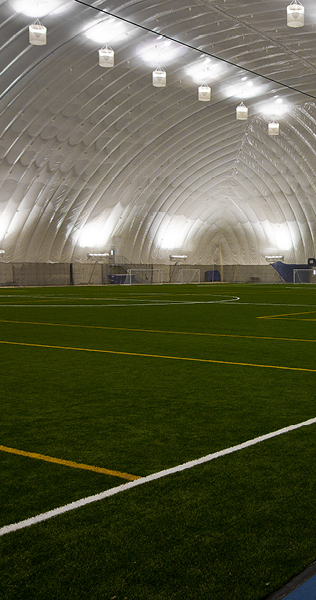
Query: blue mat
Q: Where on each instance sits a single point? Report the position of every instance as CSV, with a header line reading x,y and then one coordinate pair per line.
x,y
286,271
306,591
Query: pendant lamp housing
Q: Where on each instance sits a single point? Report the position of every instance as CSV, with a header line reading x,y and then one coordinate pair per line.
x,y
274,128
204,93
159,77
106,57
295,14
241,112
37,34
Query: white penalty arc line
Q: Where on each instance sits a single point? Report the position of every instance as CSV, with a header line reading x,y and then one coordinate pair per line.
x,y
132,484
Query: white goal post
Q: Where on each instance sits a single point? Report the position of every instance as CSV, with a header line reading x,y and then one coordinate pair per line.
x,y
304,276
189,276
144,276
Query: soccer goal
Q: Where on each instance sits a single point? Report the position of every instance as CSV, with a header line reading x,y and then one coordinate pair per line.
x,y
304,276
144,276
189,276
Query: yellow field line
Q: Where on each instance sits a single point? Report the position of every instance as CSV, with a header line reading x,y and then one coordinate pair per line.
x,y
290,319
310,312
69,463
228,335
203,360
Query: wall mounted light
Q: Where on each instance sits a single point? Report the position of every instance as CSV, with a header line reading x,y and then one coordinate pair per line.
x,y
98,256
274,258
177,257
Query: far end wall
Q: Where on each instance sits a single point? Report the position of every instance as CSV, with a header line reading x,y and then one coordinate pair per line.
x,y
42,274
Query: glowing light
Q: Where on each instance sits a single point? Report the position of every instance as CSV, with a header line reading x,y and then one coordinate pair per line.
x,y
107,31
274,258
281,110
176,257
283,239
244,89
274,109
204,71
4,226
173,232
280,238
95,235
160,52
37,8
62,9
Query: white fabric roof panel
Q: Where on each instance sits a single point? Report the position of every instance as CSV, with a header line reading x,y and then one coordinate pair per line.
x,y
96,158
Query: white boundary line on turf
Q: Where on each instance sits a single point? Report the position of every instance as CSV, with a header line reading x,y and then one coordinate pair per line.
x,y
126,304
234,301
126,486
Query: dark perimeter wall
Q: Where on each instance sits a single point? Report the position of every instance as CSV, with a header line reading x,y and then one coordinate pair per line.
x,y
41,274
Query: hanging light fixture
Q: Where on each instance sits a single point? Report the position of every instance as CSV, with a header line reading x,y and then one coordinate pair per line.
x,y
106,56
204,93
274,128
295,14
241,112
37,33
159,77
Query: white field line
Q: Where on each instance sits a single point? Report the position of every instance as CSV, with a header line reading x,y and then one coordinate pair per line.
x,y
228,301
131,484
126,304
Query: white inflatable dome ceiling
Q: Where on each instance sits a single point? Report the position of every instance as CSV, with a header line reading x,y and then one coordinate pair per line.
x,y
96,159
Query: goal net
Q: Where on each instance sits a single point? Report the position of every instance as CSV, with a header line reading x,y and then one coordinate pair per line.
x,y
304,276
144,276
189,276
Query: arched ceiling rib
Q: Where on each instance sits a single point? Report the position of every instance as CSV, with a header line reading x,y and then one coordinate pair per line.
x,y
94,158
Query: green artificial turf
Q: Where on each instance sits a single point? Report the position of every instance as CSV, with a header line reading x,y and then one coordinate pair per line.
x,y
122,378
